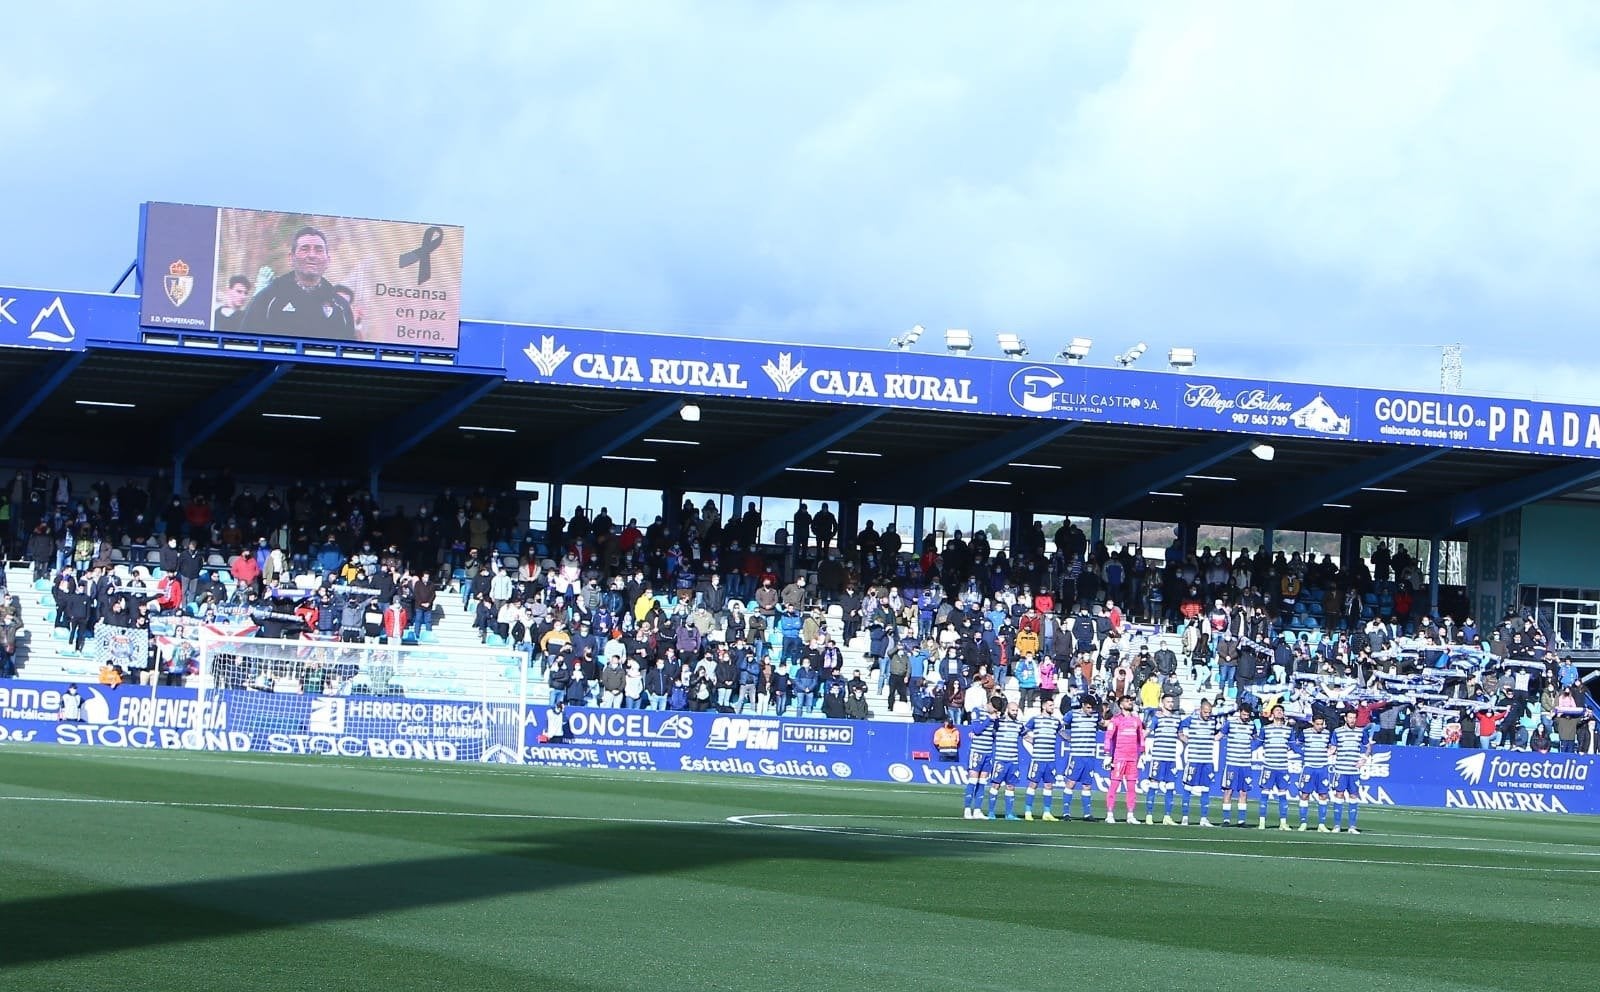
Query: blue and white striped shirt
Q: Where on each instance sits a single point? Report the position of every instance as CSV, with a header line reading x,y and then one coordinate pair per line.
x,y
1314,748
1200,738
1277,740
1044,736
982,736
1008,740
1239,742
1164,742
1349,747
1083,734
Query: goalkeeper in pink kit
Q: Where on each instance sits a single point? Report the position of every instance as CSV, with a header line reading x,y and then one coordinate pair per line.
x,y
1124,745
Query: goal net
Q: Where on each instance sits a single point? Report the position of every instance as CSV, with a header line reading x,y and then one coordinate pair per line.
x,y
365,699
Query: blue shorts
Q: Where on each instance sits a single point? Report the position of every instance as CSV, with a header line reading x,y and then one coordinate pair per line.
x,y
982,763
1006,773
1043,771
1236,779
1349,784
1277,782
1314,782
1198,778
1080,771
1164,773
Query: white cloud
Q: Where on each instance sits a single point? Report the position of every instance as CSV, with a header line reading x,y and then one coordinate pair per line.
x,y
1290,188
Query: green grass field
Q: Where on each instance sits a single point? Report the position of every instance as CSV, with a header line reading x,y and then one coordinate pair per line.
x,y
173,871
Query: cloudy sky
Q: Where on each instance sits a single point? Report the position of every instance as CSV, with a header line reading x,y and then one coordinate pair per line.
x,y
1324,192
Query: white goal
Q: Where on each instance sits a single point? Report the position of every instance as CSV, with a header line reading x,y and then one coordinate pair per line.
x,y
365,699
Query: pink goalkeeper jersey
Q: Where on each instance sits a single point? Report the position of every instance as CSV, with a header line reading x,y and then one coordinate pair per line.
x,y
1125,738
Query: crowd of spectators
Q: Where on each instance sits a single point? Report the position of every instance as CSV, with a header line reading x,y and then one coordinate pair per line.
x,y
695,613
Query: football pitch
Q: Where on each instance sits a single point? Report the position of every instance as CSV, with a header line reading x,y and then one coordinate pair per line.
x,y
173,870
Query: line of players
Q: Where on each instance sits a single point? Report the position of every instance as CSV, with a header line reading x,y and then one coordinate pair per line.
x,y
1179,751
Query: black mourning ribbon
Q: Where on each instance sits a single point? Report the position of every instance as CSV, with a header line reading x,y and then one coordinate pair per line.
x,y
419,256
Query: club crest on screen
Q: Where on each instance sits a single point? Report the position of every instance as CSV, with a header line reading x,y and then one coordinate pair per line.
x,y
179,283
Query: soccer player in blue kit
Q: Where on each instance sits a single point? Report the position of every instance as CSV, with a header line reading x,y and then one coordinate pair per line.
x,y
1007,761
1044,734
1239,743
1083,753
1316,746
1163,745
1277,748
1199,733
1351,745
980,762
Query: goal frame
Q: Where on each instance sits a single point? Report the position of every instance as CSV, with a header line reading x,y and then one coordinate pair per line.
x,y
370,671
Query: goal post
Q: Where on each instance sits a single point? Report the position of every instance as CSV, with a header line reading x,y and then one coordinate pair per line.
x,y
364,699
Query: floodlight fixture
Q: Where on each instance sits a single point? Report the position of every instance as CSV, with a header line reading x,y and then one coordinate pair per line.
x,y
1013,346
958,341
1132,355
906,340
690,413
1076,350
1180,358
1265,452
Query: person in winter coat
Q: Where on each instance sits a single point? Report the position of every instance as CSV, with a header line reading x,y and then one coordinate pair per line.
x,y
899,676
632,686
613,680
1027,675
878,641
855,704
833,698
577,688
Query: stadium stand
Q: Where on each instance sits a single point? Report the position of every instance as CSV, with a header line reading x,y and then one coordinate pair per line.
x,y
699,616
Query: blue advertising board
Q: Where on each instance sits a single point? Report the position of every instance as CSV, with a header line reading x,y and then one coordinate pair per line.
x,y
665,363
70,321
647,740
43,318
816,373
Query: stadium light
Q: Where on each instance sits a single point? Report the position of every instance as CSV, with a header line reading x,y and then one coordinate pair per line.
x,y
1013,346
1130,356
958,341
1180,358
1076,350
690,413
1265,452
906,340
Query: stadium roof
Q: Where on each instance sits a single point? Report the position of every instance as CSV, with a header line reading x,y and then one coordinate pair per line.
x,y
249,413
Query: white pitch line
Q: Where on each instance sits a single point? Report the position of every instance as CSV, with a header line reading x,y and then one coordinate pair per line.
x,y
479,769
749,820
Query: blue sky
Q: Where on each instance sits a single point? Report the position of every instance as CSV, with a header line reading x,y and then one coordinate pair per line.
x,y
1301,191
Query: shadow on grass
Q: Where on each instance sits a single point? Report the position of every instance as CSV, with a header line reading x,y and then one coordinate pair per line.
x,y
115,919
